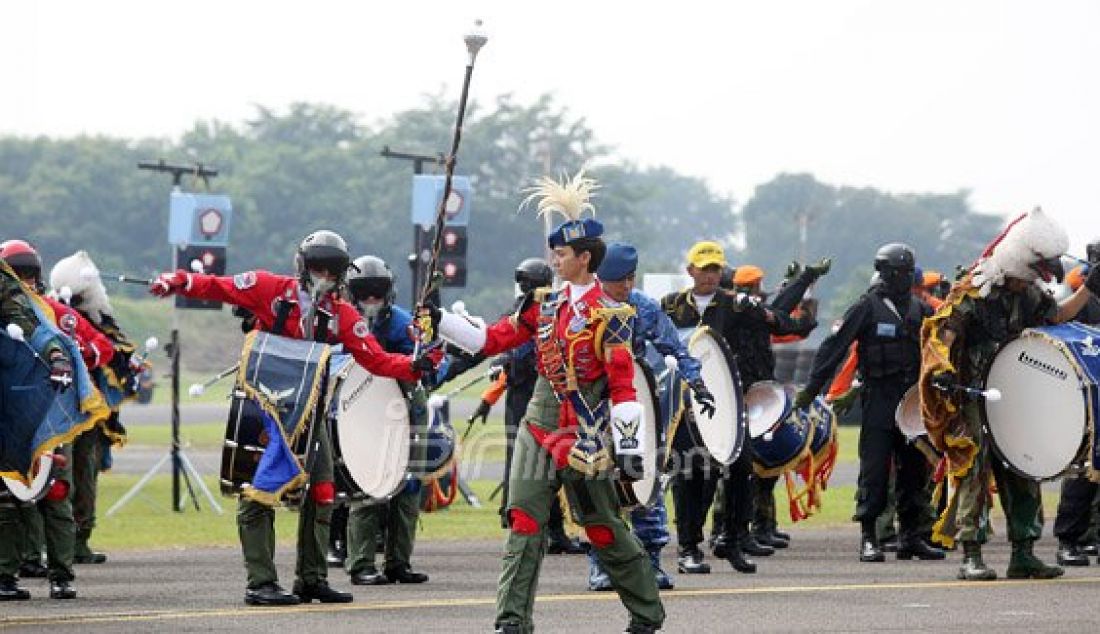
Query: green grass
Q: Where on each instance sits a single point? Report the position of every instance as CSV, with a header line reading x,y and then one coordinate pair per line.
x,y
199,435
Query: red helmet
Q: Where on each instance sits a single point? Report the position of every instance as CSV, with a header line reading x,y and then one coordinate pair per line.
x,y
22,258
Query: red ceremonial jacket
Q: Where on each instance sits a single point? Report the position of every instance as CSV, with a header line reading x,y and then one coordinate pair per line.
x,y
95,347
582,345
260,291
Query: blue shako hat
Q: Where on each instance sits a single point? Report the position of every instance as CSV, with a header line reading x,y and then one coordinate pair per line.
x,y
569,197
620,261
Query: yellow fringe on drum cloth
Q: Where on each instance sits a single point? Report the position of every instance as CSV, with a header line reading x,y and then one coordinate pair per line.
x,y
940,411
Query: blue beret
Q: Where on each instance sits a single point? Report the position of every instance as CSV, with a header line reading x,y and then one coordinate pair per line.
x,y
572,230
620,261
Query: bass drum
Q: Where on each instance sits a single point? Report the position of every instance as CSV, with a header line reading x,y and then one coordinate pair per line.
x,y
1048,406
370,434
649,489
723,435
39,486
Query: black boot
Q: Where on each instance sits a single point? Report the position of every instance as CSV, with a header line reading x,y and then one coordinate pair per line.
x,y
269,594
869,550
61,589
370,577
690,562
889,544
10,590
33,570
910,547
973,568
1025,565
337,554
1070,555
739,561
90,557
781,535
321,592
1091,549
559,543
752,547
720,545
771,539
405,574
641,628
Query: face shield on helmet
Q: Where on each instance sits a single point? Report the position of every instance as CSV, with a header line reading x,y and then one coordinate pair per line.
x,y
371,285
533,273
24,260
322,261
896,267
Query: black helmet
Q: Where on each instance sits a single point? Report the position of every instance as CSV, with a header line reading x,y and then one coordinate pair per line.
x,y
371,277
896,266
322,250
533,273
1092,252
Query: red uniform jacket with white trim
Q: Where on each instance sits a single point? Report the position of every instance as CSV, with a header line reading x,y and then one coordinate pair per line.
x,y
260,292
95,347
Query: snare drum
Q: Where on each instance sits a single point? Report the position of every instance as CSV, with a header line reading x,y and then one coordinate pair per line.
x,y
779,434
1048,382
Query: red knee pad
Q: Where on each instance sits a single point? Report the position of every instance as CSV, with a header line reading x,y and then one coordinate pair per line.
x,y
59,490
522,523
323,493
599,536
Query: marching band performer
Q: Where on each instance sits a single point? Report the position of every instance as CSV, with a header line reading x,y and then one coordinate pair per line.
x,y
371,287
57,507
280,304
616,274
732,316
583,345
994,302
1077,503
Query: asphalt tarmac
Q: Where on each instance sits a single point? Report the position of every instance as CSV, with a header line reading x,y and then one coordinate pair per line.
x,y
817,585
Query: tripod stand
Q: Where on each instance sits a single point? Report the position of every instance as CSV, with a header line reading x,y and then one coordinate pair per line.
x,y
181,464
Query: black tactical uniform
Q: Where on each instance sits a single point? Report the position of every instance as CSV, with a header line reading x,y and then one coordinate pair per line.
x,y
886,322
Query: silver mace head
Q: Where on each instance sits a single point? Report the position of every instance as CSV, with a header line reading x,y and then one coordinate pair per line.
x,y
475,39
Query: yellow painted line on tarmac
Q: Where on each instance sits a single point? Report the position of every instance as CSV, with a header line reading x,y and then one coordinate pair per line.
x,y
420,604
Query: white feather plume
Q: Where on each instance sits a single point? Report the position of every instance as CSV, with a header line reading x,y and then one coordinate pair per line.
x,y
1033,238
570,197
81,276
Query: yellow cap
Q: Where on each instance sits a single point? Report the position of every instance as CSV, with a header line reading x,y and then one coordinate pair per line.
x,y
705,253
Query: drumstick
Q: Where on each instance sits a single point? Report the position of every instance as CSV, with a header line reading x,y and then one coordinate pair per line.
x,y
992,394
197,389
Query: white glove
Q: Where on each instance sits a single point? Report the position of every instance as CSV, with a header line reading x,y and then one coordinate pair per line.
x,y
628,433
462,332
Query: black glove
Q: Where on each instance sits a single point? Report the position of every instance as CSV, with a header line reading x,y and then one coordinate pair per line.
x,y
1092,282
427,363
804,398
481,412
945,381
845,401
745,301
61,371
631,468
703,397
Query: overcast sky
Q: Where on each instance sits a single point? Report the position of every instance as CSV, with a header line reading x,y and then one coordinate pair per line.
x,y
1000,97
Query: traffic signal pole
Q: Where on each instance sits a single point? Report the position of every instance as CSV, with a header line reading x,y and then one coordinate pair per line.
x,y
417,259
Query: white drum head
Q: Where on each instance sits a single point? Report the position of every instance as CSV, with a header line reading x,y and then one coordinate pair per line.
x,y
41,480
765,405
723,434
372,424
648,488
1039,423
908,416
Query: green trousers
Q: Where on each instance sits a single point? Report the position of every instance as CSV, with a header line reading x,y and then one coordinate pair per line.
x,y
1020,497
533,484
85,476
364,526
33,544
256,528
59,531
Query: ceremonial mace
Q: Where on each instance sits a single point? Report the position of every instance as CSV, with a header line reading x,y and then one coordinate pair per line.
x,y
475,39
